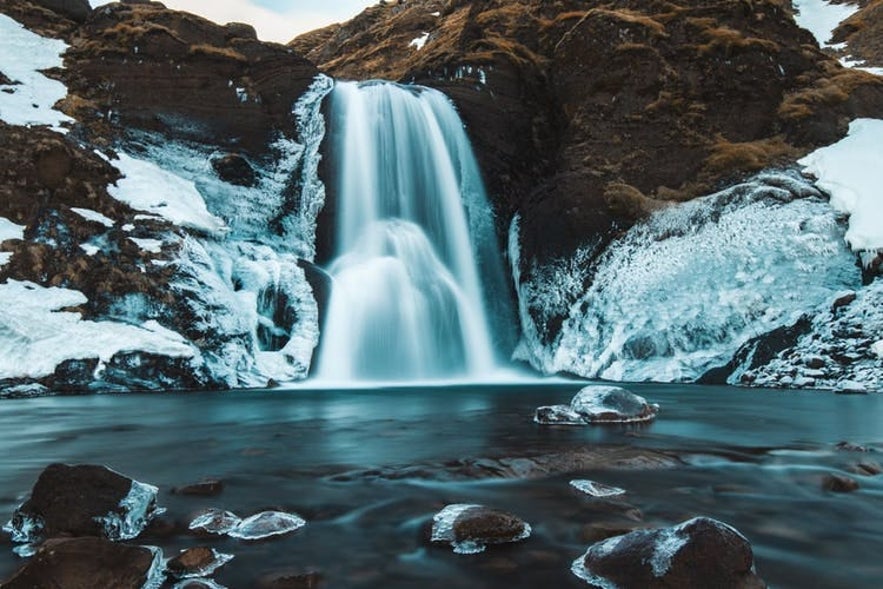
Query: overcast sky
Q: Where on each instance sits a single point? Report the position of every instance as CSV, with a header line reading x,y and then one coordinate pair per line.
x,y
274,20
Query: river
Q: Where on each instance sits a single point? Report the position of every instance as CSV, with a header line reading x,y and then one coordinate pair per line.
x,y
367,468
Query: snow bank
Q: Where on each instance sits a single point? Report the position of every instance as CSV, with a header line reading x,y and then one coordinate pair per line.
x,y
851,170
95,216
147,187
418,42
820,17
22,55
36,334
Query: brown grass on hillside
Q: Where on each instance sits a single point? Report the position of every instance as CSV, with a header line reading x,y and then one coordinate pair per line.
x,y
217,52
727,39
747,156
825,92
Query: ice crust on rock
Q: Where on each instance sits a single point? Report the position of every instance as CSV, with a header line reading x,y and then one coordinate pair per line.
x,y
136,510
599,404
23,54
443,530
595,489
259,526
219,559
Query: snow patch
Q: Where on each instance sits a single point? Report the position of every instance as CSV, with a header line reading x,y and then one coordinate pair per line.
x,y
22,55
9,230
36,334
95,216
153,246
148,187
851,171
821,17
419,42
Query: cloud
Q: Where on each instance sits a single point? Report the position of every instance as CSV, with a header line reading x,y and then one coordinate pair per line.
x,y
274,20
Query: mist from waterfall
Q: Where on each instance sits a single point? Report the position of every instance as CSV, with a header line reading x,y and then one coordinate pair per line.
x,y
416,262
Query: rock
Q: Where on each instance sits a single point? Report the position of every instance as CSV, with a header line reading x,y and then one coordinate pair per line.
x,y
847,446
198,584
205,488
266,524
843,301
867,468
596,489
88,563
76,10
200,561
83,500
696,554
470,528
235,169
214,521
837,483
74,375
256,527
814,362
599,404
240,30
290,580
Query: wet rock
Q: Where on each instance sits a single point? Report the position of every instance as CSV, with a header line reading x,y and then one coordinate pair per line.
x,y
696,554
290,580
74,375
599,404
846,446
198,584
89,563
200,561
205,488
867,468
235,169
214,521
470,528
83,500
259,526
843,301
837,483
594,489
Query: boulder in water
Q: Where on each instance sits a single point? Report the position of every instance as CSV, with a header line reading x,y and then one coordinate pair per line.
x,y
696,554
87,563
470,528
599,404
83,500
256,527
837,483
199,561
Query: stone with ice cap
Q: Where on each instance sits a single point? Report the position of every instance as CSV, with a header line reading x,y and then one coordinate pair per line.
x,y
83,500
470,528
696,554
599,404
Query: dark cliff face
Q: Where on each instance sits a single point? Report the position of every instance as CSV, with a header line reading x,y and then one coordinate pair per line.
x,y
588,115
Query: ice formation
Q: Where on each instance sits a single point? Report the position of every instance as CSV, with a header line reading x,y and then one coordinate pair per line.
x,y
259,526
443,530
681,292
595,489
136,510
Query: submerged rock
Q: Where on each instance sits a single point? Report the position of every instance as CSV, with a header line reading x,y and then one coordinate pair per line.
x,y
290,580
696,554
837,483
599,404
88,563
83,500
256,527
204,488
200,561
470,528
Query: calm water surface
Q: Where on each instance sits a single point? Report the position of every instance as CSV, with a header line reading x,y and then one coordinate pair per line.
x,y
753,459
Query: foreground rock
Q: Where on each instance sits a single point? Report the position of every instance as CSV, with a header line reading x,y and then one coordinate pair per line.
x,y
200,561
696,554
470,528
599,404
83,500
259,526
88,563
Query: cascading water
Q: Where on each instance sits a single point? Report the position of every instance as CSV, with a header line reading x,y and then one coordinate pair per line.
x,y
414,234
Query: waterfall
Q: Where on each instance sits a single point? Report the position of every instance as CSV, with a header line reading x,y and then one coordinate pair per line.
x,y
413,240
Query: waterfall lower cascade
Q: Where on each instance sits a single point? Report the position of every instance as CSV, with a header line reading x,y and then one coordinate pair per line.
x,y
414,238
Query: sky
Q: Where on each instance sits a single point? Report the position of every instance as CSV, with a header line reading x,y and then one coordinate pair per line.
x,y
274,20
